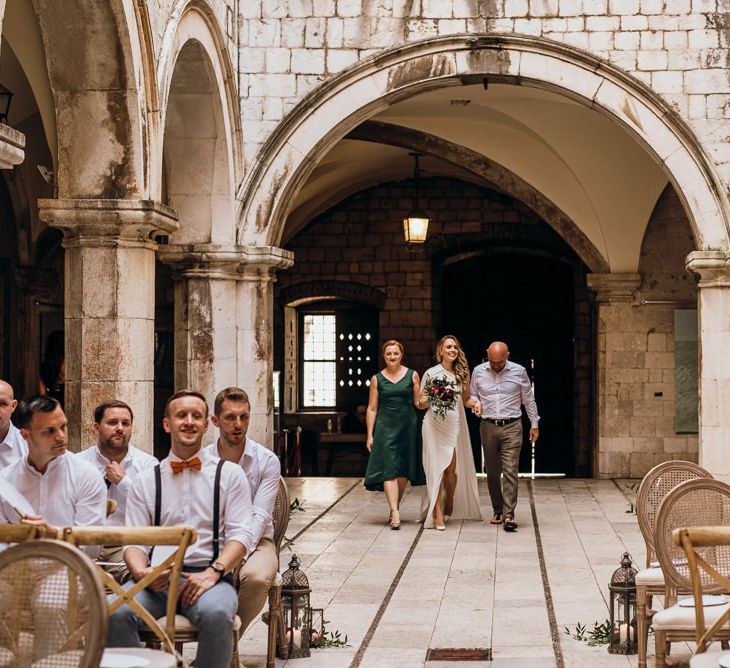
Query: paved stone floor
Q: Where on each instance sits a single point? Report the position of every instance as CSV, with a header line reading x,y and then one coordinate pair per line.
x,y
395,594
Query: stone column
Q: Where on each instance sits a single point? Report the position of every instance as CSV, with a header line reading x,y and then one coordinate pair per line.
x,y
713,312
12,145
255,325
205,315
109,306
619,367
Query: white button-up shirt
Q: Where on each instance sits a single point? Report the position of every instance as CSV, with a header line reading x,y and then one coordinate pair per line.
x,y
70,493
263,470
187,501
13,447
501,394
133,463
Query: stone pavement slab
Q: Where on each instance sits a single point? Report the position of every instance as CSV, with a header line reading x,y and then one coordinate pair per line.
x,y
395,594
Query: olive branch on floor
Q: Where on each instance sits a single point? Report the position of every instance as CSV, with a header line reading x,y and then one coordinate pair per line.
x,y
295,506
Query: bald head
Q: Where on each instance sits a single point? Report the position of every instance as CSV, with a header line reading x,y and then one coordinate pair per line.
x,y
497,354
7,406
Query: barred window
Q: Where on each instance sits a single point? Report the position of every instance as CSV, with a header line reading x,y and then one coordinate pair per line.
x,y
338,355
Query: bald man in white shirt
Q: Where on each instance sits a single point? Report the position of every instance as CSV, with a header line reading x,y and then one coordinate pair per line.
x,y
500,388
187,483
12,445
232,414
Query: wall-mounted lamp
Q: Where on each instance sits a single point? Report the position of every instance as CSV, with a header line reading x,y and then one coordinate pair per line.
x,y
5,97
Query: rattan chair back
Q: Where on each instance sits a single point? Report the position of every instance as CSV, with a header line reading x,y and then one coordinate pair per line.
x,y
281,513
694,503
707,550
54,610
656,484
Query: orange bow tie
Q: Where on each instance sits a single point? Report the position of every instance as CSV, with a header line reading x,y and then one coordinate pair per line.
x,y
193,463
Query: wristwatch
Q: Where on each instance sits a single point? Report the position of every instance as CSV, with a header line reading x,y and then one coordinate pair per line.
x,y
219,568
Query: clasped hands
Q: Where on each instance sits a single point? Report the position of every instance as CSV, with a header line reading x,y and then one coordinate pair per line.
x,y
194,585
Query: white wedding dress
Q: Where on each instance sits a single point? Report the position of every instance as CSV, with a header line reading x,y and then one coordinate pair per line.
x,y
442,437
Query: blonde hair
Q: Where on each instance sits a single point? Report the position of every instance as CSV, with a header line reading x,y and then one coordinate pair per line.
x,y
461,366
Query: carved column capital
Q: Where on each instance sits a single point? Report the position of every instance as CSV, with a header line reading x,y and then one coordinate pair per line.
x,y
225,261
214,261
106,222
713,268
614,287
12,145
262,262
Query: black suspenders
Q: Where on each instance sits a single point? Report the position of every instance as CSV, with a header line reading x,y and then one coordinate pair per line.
x,y
216,505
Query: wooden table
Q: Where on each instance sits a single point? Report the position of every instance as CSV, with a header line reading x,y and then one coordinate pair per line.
x,y
335,442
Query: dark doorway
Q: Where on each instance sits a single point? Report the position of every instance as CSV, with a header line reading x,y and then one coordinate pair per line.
x,y
527,301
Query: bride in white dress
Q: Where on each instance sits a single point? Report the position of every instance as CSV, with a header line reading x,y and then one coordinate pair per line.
x,y
451,479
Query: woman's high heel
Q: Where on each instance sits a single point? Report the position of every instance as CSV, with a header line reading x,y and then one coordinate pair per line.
x,y
394,520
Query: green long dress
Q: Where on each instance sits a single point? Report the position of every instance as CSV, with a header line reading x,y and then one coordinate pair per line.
x,y
397,448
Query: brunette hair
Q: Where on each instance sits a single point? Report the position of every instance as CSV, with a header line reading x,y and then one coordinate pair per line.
x,y
394,342
112,403
29,407
185,393
461,366
235,394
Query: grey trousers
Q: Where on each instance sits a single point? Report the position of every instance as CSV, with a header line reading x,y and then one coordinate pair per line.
x,y
502,447
212,614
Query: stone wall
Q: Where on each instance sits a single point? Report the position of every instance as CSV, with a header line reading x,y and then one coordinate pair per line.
x,y
636,353
361,241
677,47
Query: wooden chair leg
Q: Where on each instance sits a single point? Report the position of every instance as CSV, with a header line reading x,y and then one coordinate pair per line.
x,y
642,626
660,648
235,658
274,614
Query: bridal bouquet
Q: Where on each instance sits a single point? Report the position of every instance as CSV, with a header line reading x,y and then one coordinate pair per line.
x,y
441,394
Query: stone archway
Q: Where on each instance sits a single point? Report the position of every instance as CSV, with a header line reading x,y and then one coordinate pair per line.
x,y
347,100
340,105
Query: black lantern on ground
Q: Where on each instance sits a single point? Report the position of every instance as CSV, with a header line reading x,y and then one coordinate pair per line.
x,y
317,627
622,590
297,612
415,224
5,97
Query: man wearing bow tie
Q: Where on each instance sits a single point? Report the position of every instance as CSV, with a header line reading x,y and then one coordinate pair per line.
x,y
187,481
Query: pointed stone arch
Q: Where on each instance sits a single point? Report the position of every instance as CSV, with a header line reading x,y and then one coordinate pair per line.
x,y
198,112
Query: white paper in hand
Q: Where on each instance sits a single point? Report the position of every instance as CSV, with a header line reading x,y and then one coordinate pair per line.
x,y
160,553
15,499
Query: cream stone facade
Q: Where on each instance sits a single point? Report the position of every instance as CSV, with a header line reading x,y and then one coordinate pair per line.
x,y
183,179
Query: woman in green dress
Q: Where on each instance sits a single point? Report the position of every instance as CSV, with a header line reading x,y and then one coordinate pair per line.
x,y
394,439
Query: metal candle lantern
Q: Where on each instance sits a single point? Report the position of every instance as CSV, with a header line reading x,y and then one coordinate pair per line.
x,y
622,590
297,612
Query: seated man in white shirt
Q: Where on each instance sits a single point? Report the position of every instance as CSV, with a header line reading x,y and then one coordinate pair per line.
x,y
63,490
12,445
232,413
188,480
119,463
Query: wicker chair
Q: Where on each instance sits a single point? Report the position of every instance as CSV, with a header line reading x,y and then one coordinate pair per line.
x,y
275,617
656,484
54,611
694,503
708,556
